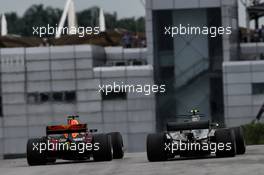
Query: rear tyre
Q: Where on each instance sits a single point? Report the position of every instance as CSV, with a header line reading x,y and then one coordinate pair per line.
x,y
117,143
156,147
104,151
225,137
240,140
34,157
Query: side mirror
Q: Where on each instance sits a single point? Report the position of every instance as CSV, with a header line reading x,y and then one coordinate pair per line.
x,y
93,130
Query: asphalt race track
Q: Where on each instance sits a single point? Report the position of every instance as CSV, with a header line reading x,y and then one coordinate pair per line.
x,y
252,163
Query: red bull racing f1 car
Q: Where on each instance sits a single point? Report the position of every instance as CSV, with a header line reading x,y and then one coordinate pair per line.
x,y
74,142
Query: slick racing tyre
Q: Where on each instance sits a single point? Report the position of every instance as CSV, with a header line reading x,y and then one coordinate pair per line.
x,y
156,147
34,156
104,153
240,140
117,144
225,137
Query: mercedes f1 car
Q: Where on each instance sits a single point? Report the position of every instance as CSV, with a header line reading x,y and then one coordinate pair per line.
x,y
74,142
195,138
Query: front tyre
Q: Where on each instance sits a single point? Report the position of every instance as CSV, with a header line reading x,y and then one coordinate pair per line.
x,y
156,147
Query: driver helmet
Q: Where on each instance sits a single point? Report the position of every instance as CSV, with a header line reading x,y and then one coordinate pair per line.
x,y
195,115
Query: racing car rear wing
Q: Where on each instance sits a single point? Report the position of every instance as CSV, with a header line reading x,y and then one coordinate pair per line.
x,y
63,129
